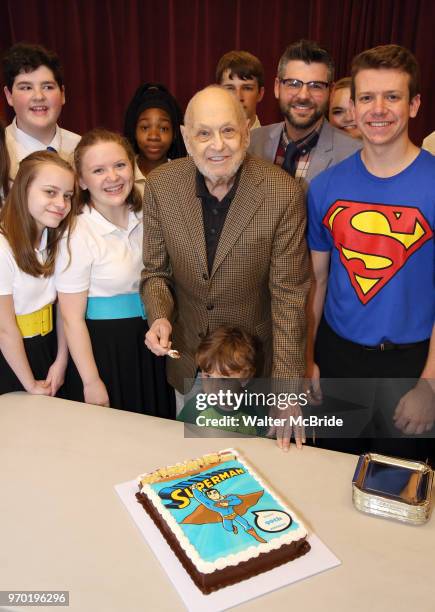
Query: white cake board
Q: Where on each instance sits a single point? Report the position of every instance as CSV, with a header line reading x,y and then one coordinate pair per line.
x,y
319,559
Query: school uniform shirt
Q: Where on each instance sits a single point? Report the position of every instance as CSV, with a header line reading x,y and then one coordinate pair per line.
x,y
105,259
139,179
20,144
256,123
30,293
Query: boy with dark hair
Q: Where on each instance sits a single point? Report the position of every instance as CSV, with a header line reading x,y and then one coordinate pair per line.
x,y
243,74
371,228
34,88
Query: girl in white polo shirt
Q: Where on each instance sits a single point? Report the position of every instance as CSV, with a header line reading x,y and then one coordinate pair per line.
x,y
105,323
36,213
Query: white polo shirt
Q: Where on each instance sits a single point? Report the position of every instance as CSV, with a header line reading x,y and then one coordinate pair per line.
x,y
139,179
30,293
20,144
105,259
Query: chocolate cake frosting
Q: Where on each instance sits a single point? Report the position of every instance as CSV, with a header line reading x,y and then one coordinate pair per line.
x,y
221,520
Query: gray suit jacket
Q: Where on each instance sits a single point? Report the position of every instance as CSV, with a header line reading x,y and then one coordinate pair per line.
x,y
332,147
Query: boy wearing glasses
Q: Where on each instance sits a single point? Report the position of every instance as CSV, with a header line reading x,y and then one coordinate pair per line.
x,y
305,143
34,88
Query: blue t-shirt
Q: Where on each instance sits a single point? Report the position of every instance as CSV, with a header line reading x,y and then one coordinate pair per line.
x,y
379,231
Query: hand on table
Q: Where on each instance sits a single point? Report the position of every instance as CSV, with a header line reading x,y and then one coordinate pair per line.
x,y
95,392
284,431
39,387
415,412
312,384
56,376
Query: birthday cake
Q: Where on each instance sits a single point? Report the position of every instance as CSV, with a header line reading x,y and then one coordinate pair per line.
x,y
220,519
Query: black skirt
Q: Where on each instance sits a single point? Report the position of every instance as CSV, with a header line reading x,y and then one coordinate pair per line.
x,y
135,379
41,351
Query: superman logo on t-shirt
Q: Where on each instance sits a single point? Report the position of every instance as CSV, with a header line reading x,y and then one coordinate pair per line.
x,y
375,241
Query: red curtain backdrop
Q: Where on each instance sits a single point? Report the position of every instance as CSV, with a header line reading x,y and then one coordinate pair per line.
x,y
109,47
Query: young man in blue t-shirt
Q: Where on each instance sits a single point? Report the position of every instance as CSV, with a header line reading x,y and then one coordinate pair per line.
x,y
371,227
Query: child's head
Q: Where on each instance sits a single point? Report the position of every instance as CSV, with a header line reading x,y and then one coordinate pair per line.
x,y
42,196
341,110
227,352
243,74
152,124
34,87
104,162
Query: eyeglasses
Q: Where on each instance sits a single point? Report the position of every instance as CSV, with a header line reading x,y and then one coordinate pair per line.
x,y
296,85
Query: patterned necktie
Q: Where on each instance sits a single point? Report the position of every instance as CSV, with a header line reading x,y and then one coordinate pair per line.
x,y
289,163
295,149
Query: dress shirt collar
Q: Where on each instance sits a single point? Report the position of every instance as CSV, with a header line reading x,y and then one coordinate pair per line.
x,y
43,244
300,143
31,144
256,123
103,226
138,175
202,191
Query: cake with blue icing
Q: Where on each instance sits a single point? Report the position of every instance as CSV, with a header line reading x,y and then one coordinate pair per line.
x,y
220,519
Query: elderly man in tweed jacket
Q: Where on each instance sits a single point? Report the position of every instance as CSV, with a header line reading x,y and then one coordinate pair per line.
x,y
224,243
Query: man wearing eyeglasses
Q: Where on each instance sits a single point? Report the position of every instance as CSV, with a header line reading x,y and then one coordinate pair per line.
x,y
305,143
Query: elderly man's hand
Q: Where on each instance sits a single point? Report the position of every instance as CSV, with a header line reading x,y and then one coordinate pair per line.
x,y
157,338
312,384
415,413
285,428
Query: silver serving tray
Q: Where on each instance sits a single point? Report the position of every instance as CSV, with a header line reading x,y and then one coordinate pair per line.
x,y
393,488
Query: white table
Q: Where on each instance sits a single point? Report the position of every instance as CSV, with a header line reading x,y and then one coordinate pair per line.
x,y
62,526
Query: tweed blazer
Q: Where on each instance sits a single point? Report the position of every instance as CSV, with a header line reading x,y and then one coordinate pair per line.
x,y
332,147
260,275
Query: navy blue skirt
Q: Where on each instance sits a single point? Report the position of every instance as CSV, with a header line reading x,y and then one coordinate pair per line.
x,y
135,378
41,351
